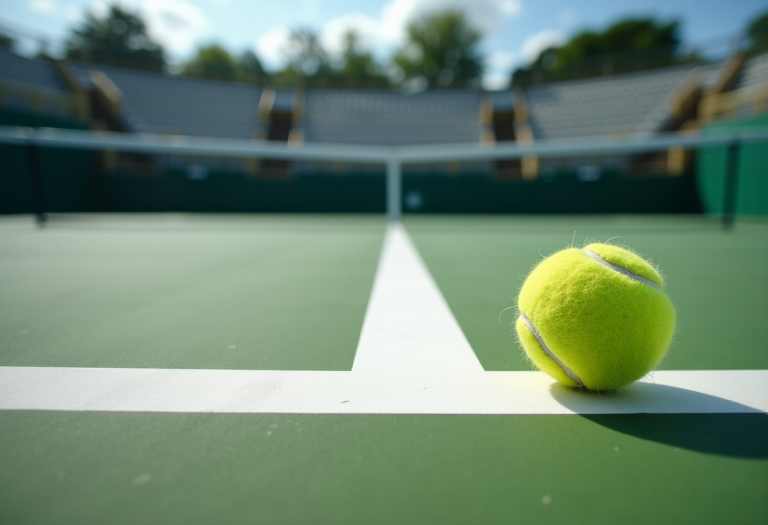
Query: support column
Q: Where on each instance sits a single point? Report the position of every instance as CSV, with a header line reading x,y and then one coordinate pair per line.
x,y
394,193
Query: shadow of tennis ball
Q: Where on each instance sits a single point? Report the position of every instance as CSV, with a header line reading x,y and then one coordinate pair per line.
x,y
729,429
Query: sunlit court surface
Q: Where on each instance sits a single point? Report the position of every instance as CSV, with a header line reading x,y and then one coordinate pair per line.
x,y
192,369
429,262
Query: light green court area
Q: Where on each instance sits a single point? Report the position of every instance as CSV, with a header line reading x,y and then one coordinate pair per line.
x,y
91,468
716,279
270,292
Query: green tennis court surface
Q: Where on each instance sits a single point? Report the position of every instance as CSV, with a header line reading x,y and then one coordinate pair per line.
x,y
291,294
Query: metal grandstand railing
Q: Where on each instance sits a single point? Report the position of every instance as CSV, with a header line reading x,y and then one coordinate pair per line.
x,y
393,158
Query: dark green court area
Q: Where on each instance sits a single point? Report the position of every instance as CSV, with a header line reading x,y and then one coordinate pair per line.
x,y
91,468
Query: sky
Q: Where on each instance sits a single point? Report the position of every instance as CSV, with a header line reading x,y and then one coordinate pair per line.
x,y
514,30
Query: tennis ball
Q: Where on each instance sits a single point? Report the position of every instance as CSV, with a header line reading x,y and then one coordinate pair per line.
x,y
595,318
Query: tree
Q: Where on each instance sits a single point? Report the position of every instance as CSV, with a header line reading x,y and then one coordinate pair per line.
x,y
215,62
118,38
251,69
212,61
308,63
441,50
306,55
358,67
757,34
629,44
7,42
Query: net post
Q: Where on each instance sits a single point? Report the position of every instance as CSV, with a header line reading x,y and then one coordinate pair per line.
x,y
33,161
731,178
394,176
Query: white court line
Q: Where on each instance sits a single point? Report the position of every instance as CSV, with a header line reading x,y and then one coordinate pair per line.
x,y
408,325
302,392
412,358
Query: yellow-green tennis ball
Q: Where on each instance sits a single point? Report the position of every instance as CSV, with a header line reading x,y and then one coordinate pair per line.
x,y
596,318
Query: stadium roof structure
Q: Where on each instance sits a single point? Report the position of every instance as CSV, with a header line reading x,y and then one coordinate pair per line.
x,y
158,103
625,104
40,73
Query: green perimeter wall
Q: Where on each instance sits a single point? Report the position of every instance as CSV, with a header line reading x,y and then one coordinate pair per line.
x,y
233,192
612,193
752,182
73,182
66,175
237,193
71,186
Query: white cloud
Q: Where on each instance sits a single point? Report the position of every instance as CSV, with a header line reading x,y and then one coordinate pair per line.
x,y
394,17
501,60
486,15
271,45
177,24
496,81
533,45
45,7
510,7
100,8
498,69
366,27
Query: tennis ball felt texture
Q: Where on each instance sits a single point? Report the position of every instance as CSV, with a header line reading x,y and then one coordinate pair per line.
x,y
596,318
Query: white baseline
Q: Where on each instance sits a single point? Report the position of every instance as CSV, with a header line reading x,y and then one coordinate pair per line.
x,y
412,358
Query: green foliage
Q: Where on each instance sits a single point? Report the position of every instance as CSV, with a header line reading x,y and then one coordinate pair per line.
x,y
306,55
309,64
215,62
757,34
212,61
251,69
7,42
441,51
118,38
629,44
358,67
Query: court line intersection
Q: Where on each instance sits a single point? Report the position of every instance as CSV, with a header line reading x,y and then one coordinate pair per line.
x,y
412,358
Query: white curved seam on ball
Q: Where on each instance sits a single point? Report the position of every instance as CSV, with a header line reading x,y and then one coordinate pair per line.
x,y
547,351
621,269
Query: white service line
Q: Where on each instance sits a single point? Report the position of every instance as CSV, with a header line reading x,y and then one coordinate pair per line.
x,y
303,392
412,358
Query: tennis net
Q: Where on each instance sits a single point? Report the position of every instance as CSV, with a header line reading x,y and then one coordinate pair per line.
x,y
53,170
